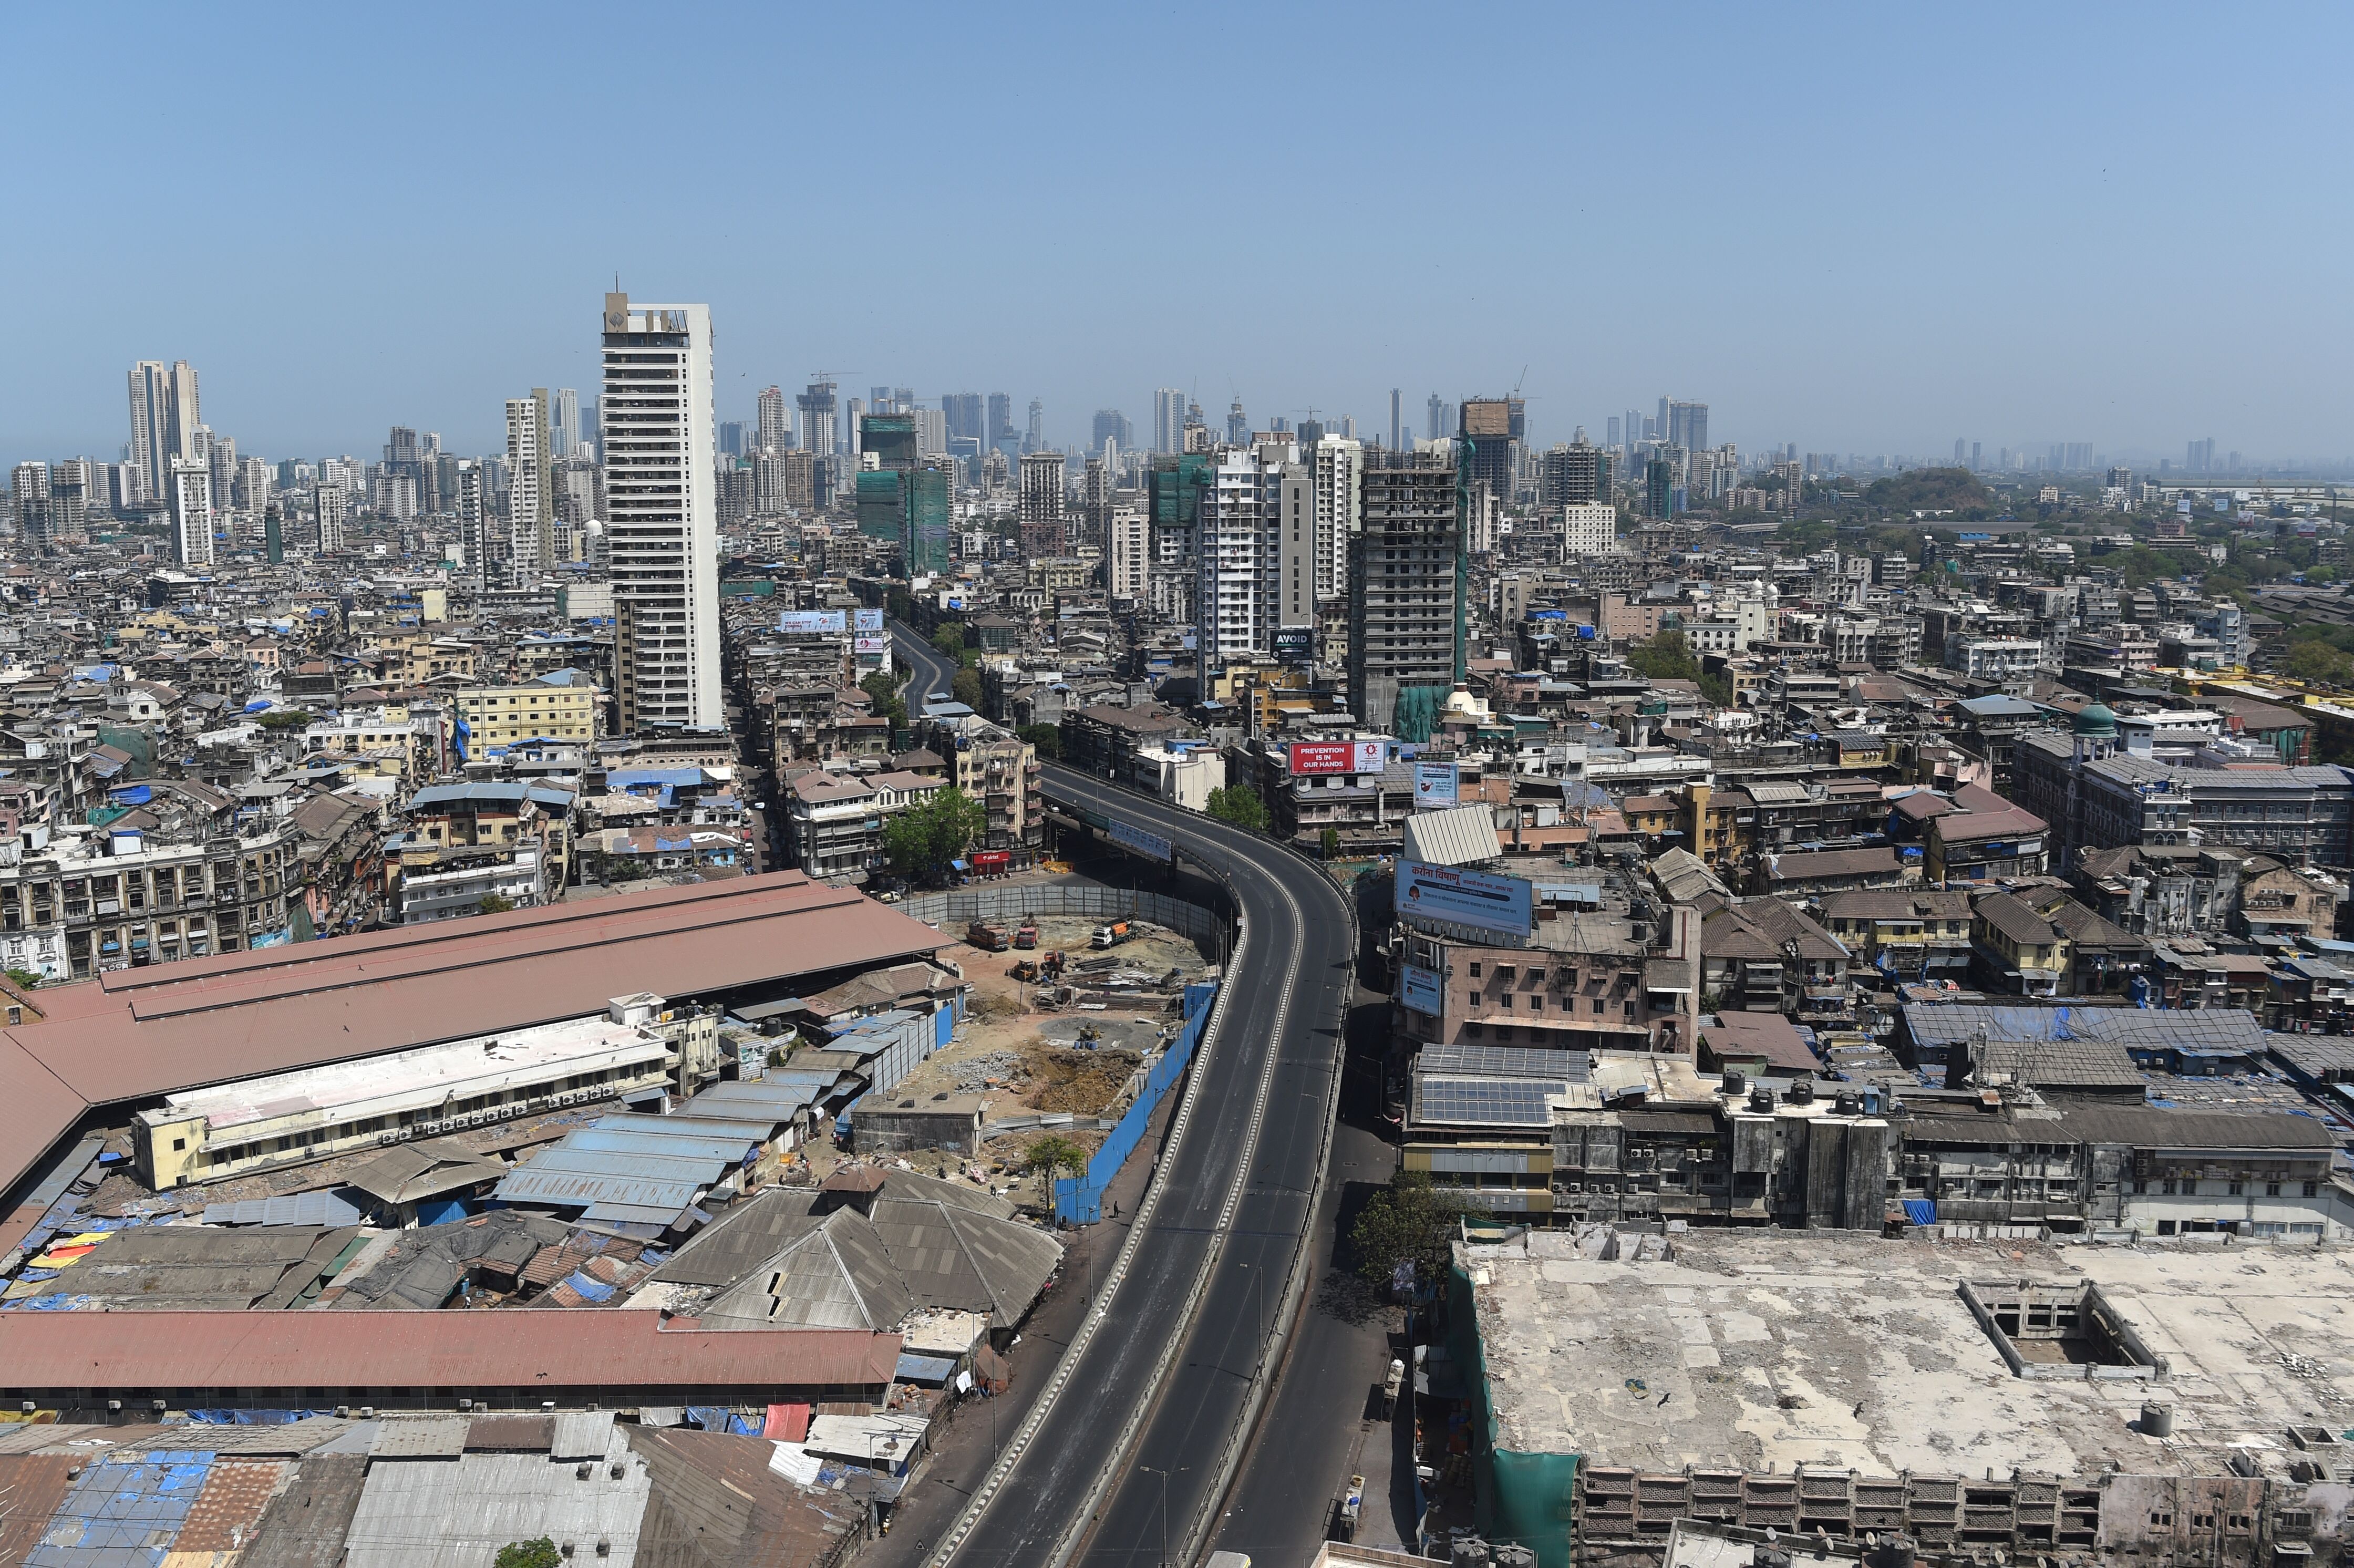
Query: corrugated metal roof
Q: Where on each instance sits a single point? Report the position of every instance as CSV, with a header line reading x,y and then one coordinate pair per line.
x,y
318,1207
210,1351
1459,837
458,1514
420,1437
581,1435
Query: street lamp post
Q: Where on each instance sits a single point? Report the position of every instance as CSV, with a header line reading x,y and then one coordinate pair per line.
x,y
1164,1474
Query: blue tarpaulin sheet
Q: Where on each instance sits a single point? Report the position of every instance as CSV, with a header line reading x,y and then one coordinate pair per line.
x,y
589,1287
443,1212
710,1417
1920,1211
925,1369
251,1417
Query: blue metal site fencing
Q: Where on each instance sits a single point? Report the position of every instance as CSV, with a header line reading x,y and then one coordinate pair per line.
x,y
1080,1199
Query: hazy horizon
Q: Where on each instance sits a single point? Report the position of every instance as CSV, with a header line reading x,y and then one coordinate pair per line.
x,y
1858,231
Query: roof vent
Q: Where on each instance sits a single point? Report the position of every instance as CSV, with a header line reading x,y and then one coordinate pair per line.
x,y
581,1471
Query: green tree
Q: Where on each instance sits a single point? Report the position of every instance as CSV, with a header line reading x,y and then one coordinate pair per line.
x,y
23,979
884,693
966,688
1052,1153
949,638
1408,1221
2315,661
496,903
922,840
286,718
1328,840
1667,656
1240,805
539,1553
1045,739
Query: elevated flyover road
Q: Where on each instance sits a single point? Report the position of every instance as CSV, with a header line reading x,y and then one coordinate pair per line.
x,y
928,669
1126,1460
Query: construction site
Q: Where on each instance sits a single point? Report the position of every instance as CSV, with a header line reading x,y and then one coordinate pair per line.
x,y
1056,1040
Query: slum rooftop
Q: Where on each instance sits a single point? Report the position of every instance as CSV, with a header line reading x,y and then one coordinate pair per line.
x,y
1777,1349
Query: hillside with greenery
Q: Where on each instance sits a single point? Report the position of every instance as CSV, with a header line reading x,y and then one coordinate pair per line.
x,y
1953,490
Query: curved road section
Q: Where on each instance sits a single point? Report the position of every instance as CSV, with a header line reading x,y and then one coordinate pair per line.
x,y
1130,1458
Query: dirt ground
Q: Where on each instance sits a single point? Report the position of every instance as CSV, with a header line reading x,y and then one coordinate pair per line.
x,y
1032,1059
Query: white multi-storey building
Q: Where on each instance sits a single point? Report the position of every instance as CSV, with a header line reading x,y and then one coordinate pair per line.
x,y
1130,551
330,504
1042,488
662,529
1168,420
1339,466
1255,554
531,504
1589,528
190,494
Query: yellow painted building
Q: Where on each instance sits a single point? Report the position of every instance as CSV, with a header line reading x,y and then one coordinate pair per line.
x,y
535,710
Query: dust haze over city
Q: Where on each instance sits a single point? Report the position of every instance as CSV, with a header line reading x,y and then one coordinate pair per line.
x,y
1526,788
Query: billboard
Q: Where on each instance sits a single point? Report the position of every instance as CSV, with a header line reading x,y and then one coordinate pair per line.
x,y
1461,897
1328,757
1419,989
1295,645
865,643
811,622
868,621
1434,786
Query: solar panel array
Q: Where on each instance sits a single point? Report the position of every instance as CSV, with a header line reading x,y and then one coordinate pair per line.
x,y
1505,1060
1468,1101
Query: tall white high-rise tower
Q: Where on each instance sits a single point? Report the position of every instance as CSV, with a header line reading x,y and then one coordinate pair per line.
x,y
657,424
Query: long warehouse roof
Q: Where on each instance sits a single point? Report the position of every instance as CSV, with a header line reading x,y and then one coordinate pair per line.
x,y
134,1034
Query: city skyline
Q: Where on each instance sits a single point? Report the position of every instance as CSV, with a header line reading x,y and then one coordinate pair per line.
x,y
2018,252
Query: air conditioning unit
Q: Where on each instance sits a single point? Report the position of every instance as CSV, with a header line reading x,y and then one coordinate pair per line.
x,y
384,1138
407,1133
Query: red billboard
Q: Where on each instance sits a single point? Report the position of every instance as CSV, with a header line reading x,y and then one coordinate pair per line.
x,y
991,860
1326,757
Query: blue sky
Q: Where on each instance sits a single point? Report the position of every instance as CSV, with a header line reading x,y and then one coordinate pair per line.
x,y
1860,229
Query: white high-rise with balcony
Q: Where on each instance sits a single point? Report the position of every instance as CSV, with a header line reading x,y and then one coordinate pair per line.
x,y
662,528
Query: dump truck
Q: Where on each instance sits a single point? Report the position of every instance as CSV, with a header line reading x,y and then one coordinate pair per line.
x,y
1026,936
1111,935
986,936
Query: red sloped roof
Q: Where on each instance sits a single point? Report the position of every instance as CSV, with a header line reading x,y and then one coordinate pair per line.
x,y
136,1034
514,1349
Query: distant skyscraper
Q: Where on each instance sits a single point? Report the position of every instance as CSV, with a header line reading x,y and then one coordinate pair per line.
x,y
1110,426
1036,438
1397,417
1437,411
965,413
732,437
28,486
1959,446
1684,424
660,490
564,416
2200,456
531,498
1611,439
1168,420
1634,426
776,431
1337,466
1974,456
820,411
475,535
164,420
1237,425
1001,419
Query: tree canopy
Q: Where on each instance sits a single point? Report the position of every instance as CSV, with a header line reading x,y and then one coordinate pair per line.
x,y
1241,806
1409,1221
539,1553
1045,739
883,692
1955,489
922,840
1667,656
965,687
